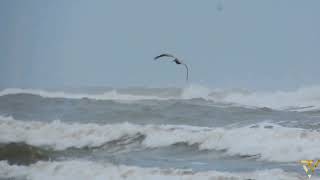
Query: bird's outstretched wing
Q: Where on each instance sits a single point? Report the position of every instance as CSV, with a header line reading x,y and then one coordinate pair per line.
x,y
177,61
164,55
187,77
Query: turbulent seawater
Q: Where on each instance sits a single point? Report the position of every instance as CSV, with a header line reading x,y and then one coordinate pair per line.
x,y
158,133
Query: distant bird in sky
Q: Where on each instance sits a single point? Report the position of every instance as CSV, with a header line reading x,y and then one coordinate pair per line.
x,y
176,60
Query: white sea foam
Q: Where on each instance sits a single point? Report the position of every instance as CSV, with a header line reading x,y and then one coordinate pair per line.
x,y
303,99
195,91
270,142
110,95
90,170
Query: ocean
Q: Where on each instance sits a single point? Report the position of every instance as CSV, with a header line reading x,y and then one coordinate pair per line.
x,y
140,133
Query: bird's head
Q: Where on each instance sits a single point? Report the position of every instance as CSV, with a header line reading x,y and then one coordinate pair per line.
x,y
177,61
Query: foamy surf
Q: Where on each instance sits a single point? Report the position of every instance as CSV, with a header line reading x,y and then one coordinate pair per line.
x,y
90,170
302,99
270,142
109,95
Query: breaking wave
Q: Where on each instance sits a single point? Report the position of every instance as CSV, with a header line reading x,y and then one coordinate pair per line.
x,y
110,95
302,99
270,142
90,170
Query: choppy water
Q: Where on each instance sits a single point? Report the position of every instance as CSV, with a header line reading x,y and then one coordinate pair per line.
x,y
158,133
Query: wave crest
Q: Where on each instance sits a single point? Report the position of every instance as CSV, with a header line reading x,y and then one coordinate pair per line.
x,y
303,99
269,141
109,95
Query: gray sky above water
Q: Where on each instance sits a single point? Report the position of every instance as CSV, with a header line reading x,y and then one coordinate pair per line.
x,y
250,44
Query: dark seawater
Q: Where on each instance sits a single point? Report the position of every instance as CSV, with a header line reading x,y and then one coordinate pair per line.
x,y
158,133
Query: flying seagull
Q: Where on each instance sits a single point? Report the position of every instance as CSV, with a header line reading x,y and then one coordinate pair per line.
x,y
176,60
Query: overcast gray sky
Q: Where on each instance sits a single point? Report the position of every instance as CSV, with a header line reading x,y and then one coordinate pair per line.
x,y
254,44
